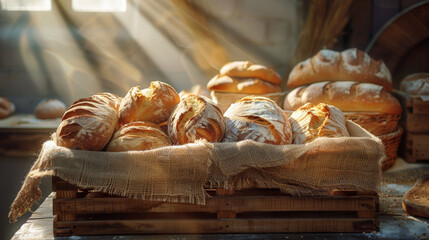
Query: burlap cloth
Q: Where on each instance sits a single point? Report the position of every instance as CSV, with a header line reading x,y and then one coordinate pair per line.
x,y
178,173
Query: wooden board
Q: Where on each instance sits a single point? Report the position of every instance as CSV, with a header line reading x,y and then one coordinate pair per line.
x,y
82,212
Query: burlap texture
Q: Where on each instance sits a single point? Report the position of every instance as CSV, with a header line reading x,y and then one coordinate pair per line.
x,y
178,173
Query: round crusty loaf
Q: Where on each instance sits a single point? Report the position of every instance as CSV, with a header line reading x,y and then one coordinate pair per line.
x,y
221,83
7,108
416,84
347,96
196,117
138,136
312,121
89,123
248,69
153,104
258,119
348,65
50,109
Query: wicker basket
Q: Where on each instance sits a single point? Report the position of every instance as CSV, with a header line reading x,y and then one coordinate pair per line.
x,y
391,143
376,123
224,100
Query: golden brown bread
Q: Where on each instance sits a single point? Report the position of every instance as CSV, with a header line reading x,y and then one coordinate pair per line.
x,y
347,96
416,201
194,118
50,109
153,104
138,136
88,124
196,90
246,69
416,84
224,83
312,121
348,65
258,119
7,108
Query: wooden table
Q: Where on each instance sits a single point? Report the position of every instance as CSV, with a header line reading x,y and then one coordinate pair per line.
x,y
394,222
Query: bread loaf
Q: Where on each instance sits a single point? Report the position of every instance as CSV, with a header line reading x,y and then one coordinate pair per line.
x,y
50,109
7,108
312,121
153,104
241,85
88,124
348,65
194,118
347,96
416,84
196,90
246,69
138,136
258,119
416,201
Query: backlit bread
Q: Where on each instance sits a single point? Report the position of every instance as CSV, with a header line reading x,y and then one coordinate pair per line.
x,y
50,109
347,96
246,69
138,136
89,123
258,119
312,121
348,65
195,118
7,108
196,90
416,84
153,104
241,85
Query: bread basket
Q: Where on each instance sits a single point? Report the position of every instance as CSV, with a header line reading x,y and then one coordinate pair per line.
x,y
376,123
225,99
391,143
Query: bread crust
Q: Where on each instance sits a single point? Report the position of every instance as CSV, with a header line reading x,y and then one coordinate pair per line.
x,y
348,65
7,108
50,109
138,136
416,201
347,96
312,121
416,84
223,83
247,69
195,118
153,104
259,119
89,123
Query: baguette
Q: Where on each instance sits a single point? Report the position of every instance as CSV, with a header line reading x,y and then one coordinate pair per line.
x,y
348,65
347,96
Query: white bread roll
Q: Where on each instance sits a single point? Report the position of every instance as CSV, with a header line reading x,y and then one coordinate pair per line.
x,y
312,121
88,124
50,109
348,65
221,83
153,104
416,84
246,69
7,108
258,119
196,118
138,136
347,96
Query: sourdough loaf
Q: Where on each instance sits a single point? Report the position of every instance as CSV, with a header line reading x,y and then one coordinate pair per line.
x,y
247,69
348,65
416,201
251,85
50,109
7,108
416,84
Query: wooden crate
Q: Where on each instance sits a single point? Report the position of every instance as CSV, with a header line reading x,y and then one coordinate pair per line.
x,y
416,147
246,211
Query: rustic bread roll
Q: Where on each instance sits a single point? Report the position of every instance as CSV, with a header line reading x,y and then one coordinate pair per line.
x,y
416,201
138,136
194,118
246,69
153,104
50,109
241,85
258,119
416,84
348,65
88,124
196,90
347,96
312,121
7,108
